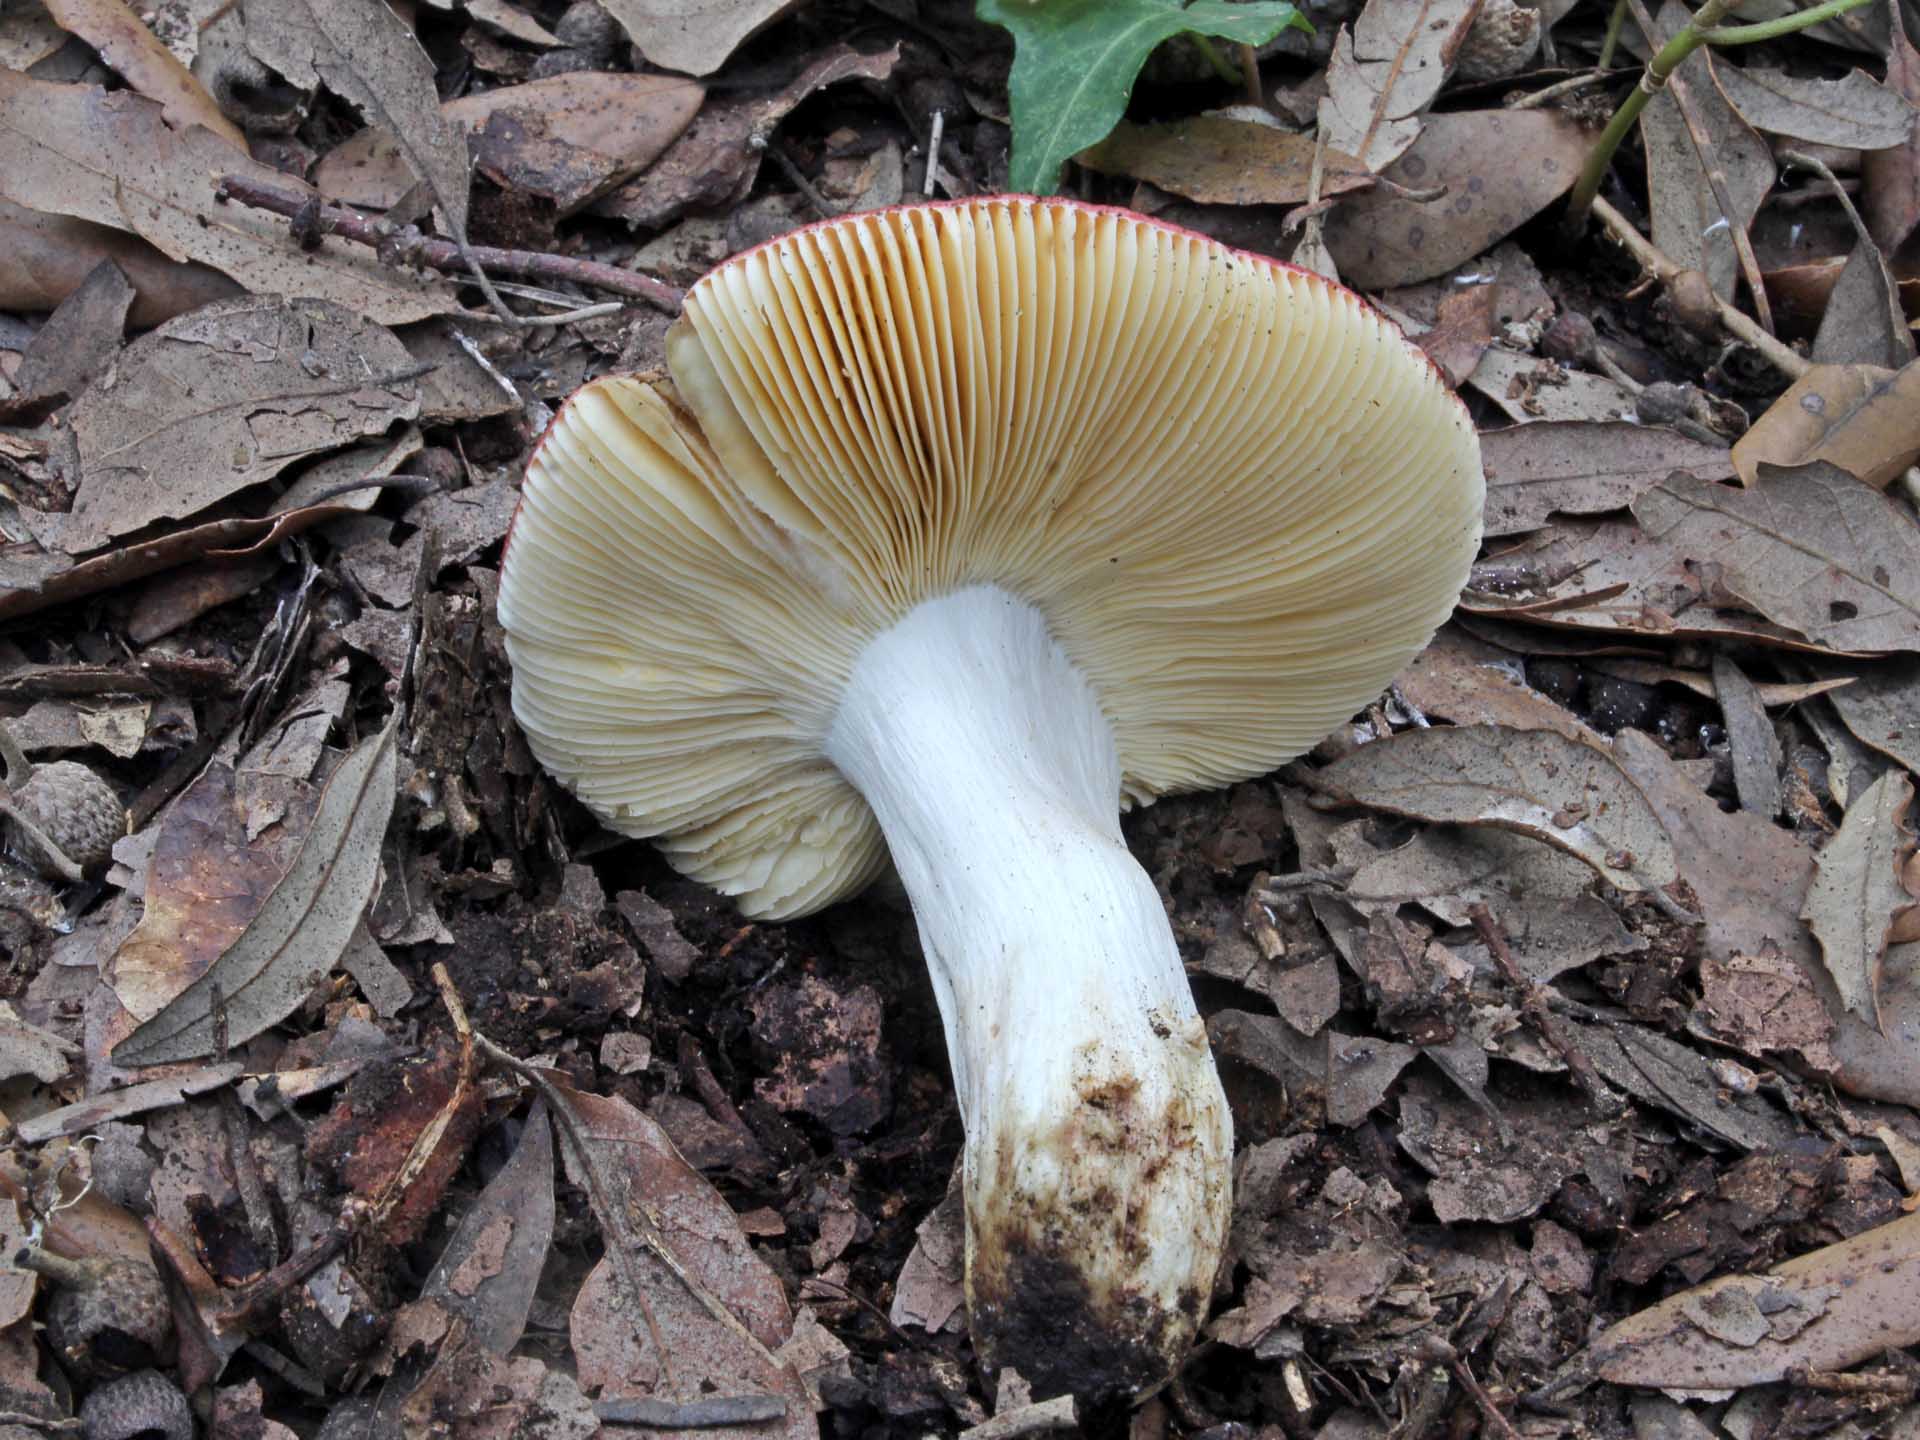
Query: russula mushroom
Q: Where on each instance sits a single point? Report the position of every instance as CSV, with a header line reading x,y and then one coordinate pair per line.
x,y
956,528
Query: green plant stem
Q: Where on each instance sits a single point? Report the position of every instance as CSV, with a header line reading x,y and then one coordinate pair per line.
x,y
1774,29
1225,68
1615,23
1703,29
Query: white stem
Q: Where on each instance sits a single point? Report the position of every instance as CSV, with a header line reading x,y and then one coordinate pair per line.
x,y
1098,1143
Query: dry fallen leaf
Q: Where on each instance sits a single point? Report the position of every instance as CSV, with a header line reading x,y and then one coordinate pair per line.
x,y
300,929
1853,113
1461,332
566,138
1386,71
1827,1310
77,150
1856,891
224,398
1882,709
1499,168
1537,782
693,36
1688,145
1217,160
45,258
1583,468
1753,746
143,62
367,55
1863,418
1810,548
1892,176
79,338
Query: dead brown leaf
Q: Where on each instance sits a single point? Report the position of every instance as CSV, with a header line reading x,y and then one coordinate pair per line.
x,y
693,36
144,63
1892,176
1583,468
1499,168
111,158
1856,891
1882,709
1691,148
224,398
1827,1310
1539,783
1463,680
45,258
1810,548
1853,113
568,137
78,340
367,55
1386,71
1220,161
715,161
1462,332
1863,418
1753,746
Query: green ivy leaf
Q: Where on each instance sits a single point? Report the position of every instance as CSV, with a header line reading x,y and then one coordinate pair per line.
x,y
1075,61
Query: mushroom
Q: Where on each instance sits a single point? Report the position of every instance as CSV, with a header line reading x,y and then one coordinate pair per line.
x,y
956,529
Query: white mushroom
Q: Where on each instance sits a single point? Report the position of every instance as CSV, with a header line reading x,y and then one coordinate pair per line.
x,y
957,528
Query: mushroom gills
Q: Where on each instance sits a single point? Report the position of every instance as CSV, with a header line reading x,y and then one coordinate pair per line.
x,y
1098,1141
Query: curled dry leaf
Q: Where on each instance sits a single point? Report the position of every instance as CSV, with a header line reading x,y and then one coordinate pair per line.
x,y
1499,169
1863,418
1856,891
76,150
367,55
1827,1310
567,138
1537,782
1386,71
1221,161
301,929
257,383
1810,548
1854,113
1580,467
1892,176
113,29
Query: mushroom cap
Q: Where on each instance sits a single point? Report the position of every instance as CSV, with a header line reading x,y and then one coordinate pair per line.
x,y
1240,497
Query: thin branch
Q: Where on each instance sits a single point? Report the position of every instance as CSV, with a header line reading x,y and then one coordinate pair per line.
x,y
444,255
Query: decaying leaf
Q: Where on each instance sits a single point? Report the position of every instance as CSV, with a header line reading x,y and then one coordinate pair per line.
x,y
1217,160
1856,890
1537,782
367,55
1863,322
301,929
1826,1311
1810,548
224,398
79,151
1583,468
1892,176
682,1305
693,36
1854,113
1882,709
143,62
45,258
568,137
1386,71
79,338
1693,151
1862,418
1753,746
1461,332
1499,168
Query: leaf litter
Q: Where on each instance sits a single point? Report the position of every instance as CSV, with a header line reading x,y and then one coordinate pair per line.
x,y
1573,985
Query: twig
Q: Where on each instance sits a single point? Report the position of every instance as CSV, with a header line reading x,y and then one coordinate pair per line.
x,y
1041,1419
936,133
1497,1422
56,857
1735,322
1568,86
707,1413
444,254
1533,1006
824,207
1250,72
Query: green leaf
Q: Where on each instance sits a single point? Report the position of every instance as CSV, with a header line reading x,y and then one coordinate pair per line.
x,y
1075,61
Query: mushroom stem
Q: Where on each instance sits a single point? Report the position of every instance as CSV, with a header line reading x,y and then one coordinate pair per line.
x,y
1098,1142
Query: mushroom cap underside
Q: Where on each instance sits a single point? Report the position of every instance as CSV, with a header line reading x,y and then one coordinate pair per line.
x,y
1239,496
